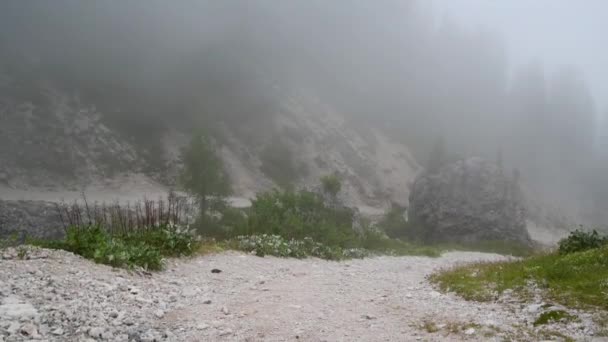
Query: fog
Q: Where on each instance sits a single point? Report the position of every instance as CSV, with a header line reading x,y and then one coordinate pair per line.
x,y
523,78
553,32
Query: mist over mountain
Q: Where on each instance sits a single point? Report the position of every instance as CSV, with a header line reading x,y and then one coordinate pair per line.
x,y
262,74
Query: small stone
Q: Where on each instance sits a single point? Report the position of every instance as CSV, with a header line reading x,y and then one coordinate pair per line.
x,y
216,270
190,291
409,295
225,310
58,331
113,314
128,321
369,317
533,308
469,331
29,330
202,326
142,300
226,332
159,313
207,301
96,332
133,290
107,335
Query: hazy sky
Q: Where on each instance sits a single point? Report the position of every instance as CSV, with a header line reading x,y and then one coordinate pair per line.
x,y
555,32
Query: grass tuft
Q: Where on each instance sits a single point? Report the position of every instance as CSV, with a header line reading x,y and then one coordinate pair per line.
x,y
553,316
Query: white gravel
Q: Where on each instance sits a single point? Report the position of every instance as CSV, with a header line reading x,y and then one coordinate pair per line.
x,y
57,296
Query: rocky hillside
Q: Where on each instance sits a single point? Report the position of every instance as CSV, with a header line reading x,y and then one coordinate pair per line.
x,y
57,139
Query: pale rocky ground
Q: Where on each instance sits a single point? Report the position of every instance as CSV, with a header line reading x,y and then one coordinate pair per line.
x,y
57,296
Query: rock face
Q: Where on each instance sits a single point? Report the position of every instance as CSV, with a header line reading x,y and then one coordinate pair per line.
x,y
36,219
468,201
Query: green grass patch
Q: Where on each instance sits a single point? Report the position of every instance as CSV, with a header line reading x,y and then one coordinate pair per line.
x,y
577,279
553,316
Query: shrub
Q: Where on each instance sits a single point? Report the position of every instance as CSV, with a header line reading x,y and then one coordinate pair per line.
x,y
222,223
297,215
145,248
331,184
580,240
393,223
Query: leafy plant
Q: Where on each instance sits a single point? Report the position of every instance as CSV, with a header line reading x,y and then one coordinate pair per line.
x,y
580,240
298,215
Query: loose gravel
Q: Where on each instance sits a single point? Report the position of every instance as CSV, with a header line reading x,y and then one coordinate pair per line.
x,y
58,296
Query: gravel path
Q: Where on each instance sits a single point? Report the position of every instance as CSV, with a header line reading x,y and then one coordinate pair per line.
x,y
58,296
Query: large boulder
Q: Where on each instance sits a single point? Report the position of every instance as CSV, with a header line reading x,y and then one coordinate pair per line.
x,y
468,201
34,219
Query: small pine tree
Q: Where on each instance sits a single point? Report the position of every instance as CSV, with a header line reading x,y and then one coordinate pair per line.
x,y
202,174
331,185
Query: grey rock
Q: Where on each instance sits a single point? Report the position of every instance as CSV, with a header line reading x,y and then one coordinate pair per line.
x,y
58,331
96,332
468,201
29,329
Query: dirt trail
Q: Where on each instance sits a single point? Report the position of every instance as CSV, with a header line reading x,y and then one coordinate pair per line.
x,y
252,299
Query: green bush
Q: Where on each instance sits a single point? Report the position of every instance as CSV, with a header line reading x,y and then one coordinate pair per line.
x,y
298,215
393,223
580,240
144,248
